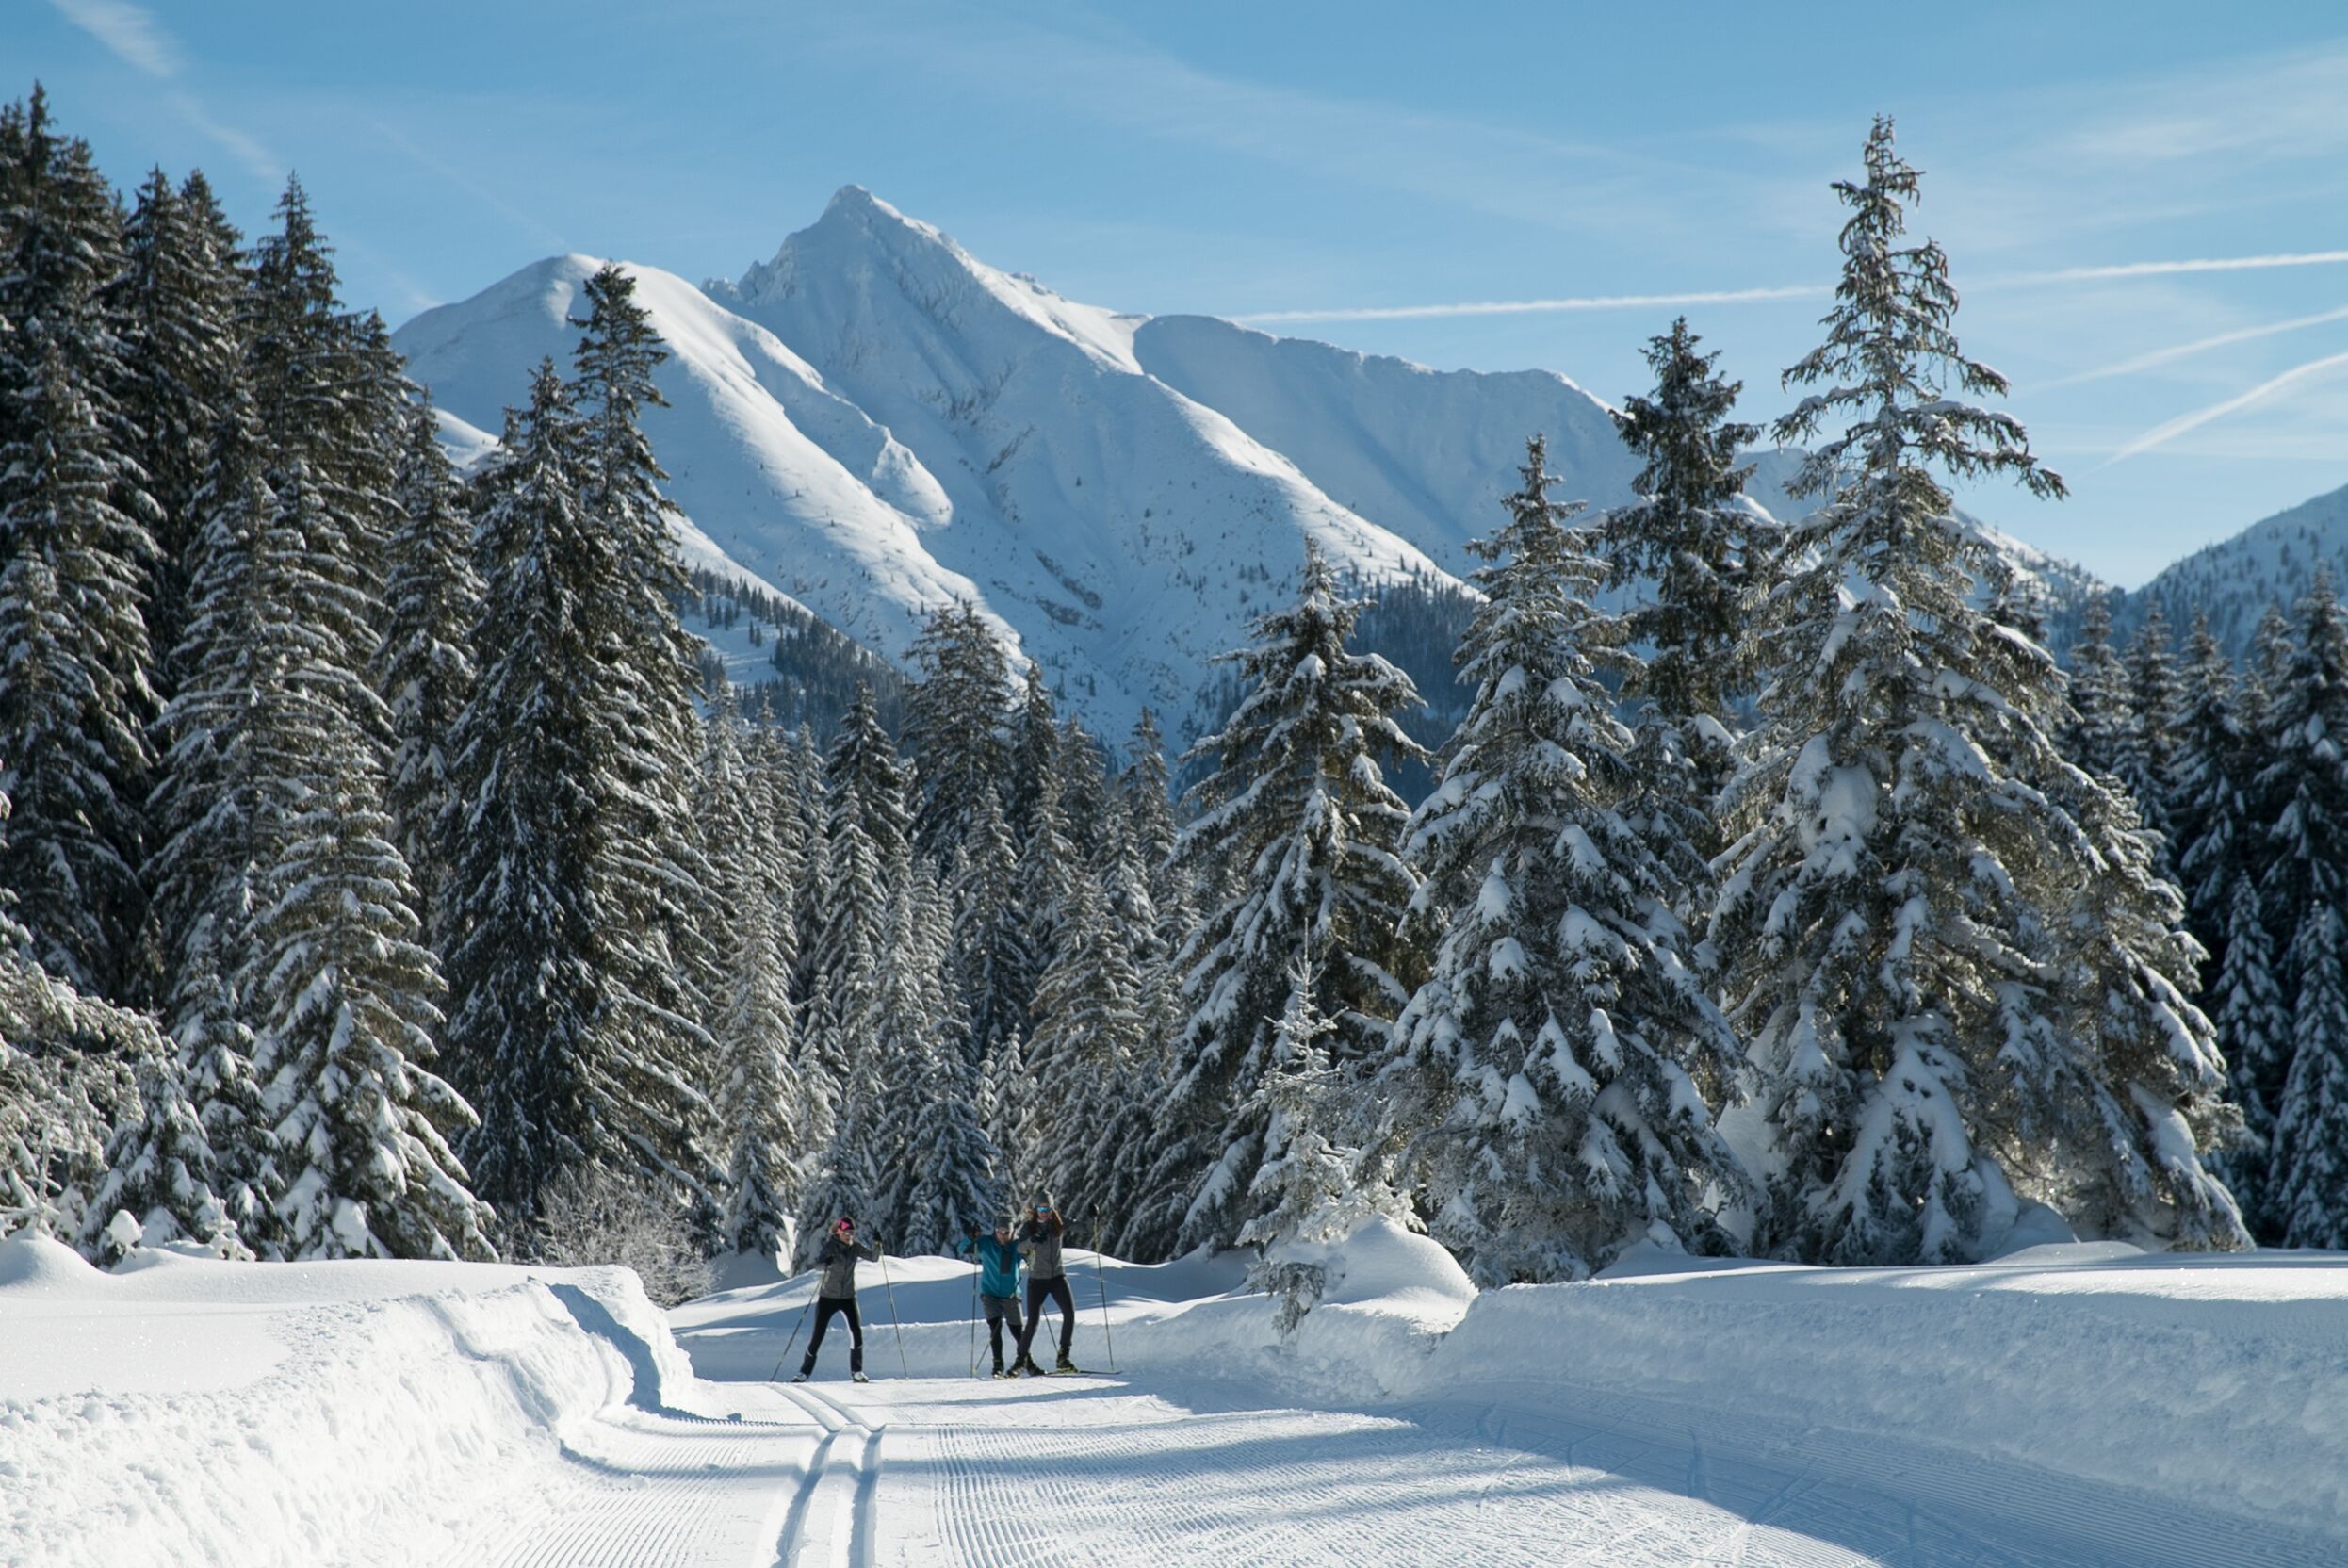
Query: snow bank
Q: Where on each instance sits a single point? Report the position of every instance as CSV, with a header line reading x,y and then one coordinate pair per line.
x,y
190,1412
2224,1379
2221,1381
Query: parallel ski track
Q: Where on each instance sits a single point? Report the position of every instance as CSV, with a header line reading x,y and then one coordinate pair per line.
x,y
1089,1471
642,1491
839,1537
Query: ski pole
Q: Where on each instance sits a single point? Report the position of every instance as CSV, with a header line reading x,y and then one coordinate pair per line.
x,y
974,1306
893,1315
1102,1281
794,1335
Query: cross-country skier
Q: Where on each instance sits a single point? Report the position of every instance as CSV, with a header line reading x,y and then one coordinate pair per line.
x,y
836,1296
999,1288
1039,1240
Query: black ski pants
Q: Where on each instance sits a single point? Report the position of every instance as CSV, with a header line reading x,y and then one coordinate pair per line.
x,y
827,1307
999,1308
1038,1292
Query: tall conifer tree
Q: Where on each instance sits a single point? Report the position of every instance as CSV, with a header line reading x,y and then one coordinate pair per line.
x,y
1554,1083
1297,798
1898,929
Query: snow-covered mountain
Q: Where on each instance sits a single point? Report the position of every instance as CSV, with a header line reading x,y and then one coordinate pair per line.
x,y
875,423
2272,562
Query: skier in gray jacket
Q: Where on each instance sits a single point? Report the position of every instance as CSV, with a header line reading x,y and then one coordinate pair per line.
x,y
835,1296
1046,1280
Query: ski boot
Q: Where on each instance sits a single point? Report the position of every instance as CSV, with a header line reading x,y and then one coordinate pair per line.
x,y
859,1378
1027,1364
799,1378
1063,1367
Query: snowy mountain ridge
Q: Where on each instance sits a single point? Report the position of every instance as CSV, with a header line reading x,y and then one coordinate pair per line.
x,y
874,424
2274,561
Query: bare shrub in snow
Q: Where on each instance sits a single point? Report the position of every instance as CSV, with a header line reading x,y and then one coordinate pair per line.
x,y
604,1217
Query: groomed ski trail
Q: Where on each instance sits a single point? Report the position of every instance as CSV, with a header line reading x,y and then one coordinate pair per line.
x,y
928,1473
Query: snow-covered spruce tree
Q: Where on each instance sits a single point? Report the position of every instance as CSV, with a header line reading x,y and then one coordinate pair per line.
x,y
76,665
752,1021
652,683
1309,1188
2306,1179
177,301
2254,1024
66,1069
2109,1129
1898,930
953,724
544,1037
1145,868
1085,803
301,997
343,999
810,812
868,857
211,806
953,1184
1089,1028
846,1176
1553,1083
330,401
424,666
2149,761
2211,767
1297,799
991,970
1707,552
1035,751
1004,1092
2100,729
2302,800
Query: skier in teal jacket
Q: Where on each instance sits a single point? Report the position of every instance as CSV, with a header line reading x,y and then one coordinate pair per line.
x,y
999,1288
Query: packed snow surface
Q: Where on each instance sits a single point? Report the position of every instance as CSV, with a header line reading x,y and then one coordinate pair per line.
x,y
2065,1405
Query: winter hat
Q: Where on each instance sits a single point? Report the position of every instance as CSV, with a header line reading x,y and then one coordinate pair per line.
x,y
844,1223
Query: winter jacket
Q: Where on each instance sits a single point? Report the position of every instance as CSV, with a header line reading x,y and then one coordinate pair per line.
x,y
1041,1244
837,1260
998,1265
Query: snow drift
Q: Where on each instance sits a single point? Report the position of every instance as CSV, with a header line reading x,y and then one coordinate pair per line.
x,y
192,1412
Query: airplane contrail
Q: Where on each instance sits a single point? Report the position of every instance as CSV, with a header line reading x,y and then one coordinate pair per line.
x,y
1531,308
2163,433
2199,345
1796,291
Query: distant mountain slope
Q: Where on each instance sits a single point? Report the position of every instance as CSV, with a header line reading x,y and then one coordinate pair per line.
x,y
2272,562
875,423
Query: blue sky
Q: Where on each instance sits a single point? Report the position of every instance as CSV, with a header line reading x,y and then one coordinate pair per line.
x,y
1308,164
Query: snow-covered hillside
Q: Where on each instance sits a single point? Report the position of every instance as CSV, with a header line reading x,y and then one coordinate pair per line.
x,y
877,423
2272,562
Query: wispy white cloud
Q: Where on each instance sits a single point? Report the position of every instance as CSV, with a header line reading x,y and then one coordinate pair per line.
x,y
1532,307
135,36
247,149
2162,433
2175,352
132,35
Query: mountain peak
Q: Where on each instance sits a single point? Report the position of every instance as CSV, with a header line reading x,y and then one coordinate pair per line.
x,y
852,199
